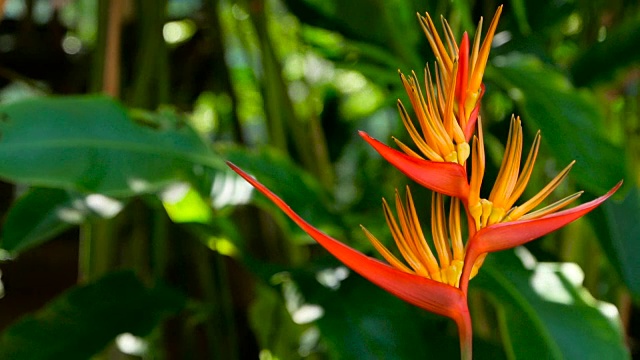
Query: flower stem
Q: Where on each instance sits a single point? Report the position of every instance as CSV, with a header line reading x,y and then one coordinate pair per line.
x,y
465,332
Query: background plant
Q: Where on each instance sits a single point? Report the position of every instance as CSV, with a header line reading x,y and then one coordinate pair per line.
x,y
120,217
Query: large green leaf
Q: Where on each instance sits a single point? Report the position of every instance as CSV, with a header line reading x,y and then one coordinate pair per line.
x,y
546,313
618,229
41,214
34,218
90,144
570,121
82,321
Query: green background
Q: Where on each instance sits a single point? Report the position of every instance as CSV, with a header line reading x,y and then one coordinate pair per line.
x,y
120,216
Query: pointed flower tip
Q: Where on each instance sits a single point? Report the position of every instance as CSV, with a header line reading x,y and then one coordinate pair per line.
x,y
235,168
231,165
428,294
618,185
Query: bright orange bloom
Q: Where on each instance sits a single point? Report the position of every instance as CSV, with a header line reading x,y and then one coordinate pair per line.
x,y
413,246
438,287
448,113
515,225
466,68
486,217
436,277
419,290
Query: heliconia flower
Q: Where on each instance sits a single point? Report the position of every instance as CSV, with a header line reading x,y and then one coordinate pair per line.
x,y
466,68
495,223
450,178
510,183
436,285
448,117
442,164
446,113
507,235
417,287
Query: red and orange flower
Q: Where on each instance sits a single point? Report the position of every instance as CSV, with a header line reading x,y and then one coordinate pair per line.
x,y
448,118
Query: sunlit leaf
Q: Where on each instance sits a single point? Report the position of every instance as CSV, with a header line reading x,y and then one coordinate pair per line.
x,y
41,214
184,205
82,321
544,310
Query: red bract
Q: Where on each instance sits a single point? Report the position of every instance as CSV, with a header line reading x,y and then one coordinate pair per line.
x,y
447,178
428,294
463,73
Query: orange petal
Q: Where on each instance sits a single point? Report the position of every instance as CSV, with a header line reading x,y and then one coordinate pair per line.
x,y
483,55
428,294
443,177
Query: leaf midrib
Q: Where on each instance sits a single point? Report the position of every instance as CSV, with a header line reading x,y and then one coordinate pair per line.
x,y
158,149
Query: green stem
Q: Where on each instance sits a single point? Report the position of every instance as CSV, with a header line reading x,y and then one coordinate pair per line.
x,y
163,72
84,253
226,305
98,59
159,252
221,81
146,91
465,332
318,142
161,245
307,136
113,51
274,89
140,241
206,283
96,249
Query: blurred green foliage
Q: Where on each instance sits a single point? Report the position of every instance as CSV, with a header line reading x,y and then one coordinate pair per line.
x,y
137,181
